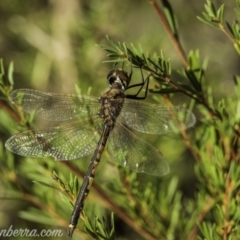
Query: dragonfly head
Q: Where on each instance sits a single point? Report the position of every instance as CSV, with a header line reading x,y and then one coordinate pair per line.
x,y
118,79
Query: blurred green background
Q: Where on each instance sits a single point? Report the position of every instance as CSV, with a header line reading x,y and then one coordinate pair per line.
x,y
53,46
52,43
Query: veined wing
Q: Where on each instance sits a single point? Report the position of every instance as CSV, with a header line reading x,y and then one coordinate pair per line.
x,y
55,106
129,151
153,118
66,142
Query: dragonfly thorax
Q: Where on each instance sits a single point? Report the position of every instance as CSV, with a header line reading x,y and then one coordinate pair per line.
x,y
111,103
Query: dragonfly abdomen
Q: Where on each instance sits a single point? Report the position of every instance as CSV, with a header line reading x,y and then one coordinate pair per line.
x,y
88,180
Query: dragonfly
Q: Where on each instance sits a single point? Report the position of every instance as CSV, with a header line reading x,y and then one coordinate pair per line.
x,y
92,123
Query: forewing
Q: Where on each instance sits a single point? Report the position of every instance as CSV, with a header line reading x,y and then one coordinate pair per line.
x,y
66,142
129,151
154,119
55,106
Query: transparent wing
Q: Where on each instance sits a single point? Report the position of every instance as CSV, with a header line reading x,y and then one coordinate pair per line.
x,y
129,151
55,106
155,119
66,142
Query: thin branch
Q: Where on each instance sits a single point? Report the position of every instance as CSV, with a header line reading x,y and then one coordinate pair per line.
x,y
185,136
208,205
9,110
167,27
221,26
177,87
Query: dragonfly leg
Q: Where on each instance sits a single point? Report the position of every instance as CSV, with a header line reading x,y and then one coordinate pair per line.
x,y
145,82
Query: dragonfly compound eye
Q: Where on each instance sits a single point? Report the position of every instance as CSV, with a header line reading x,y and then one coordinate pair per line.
x,y
119,78
116,82
111,79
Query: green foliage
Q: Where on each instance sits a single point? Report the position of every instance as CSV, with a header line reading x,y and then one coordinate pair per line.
x,y
199,199
6,80
216,19
100,229
213,16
